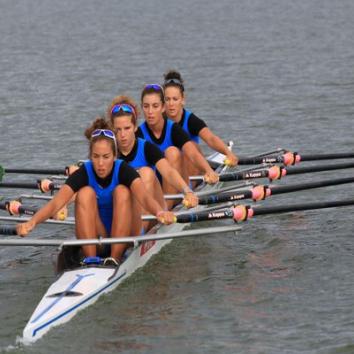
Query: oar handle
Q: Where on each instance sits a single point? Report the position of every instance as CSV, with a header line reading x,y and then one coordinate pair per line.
x,y
9,230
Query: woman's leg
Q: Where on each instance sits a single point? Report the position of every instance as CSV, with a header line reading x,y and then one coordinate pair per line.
x,y
153,187
123,219
189,169
88,224
175,158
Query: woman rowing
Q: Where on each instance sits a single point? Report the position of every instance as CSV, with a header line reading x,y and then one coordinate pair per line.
x,y
169,136
104,203
195,127
144,156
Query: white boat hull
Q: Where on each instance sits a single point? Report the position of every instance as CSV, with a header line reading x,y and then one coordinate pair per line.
x,y
76,289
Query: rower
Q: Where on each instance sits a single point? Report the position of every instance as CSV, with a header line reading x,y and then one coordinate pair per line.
x,y
144,156
169,136
195,127
104,205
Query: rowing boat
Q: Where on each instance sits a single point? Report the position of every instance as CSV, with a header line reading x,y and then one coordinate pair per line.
x,y
77,287
80,286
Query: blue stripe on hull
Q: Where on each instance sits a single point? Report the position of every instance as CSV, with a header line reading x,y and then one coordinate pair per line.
x,y
76,306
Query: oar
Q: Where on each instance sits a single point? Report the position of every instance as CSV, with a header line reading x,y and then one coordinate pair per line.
x,y
330,156
166,196
44,185
66,171
244,212
37,171
11,230
288,159
71,220
260,192
277,172
67,221
211,191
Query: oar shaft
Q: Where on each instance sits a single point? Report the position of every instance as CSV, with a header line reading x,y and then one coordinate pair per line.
x,y
290,170
238,176
260,160
8,230
23,185
293,170
332,156
126,239
277,189
67,221
225,197
37,171
26,185
259,210
260,192
256,160
205,216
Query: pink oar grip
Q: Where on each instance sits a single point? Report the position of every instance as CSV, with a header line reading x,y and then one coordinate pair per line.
x,y
45,185
289,158
242,213
259,193
13,207
275,172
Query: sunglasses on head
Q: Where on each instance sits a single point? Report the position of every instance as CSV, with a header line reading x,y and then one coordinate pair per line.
x,y
127,108
173,81
108,134
155,87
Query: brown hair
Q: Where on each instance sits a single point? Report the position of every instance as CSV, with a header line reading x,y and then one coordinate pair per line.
x,y
123,100
100,123
153,89
174,79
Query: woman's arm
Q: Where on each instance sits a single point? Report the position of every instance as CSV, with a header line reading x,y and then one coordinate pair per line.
x,y
217,144
149,203
171,175
199,160
63,196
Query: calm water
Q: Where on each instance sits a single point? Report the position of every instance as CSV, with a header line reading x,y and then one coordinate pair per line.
x,y
263,73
